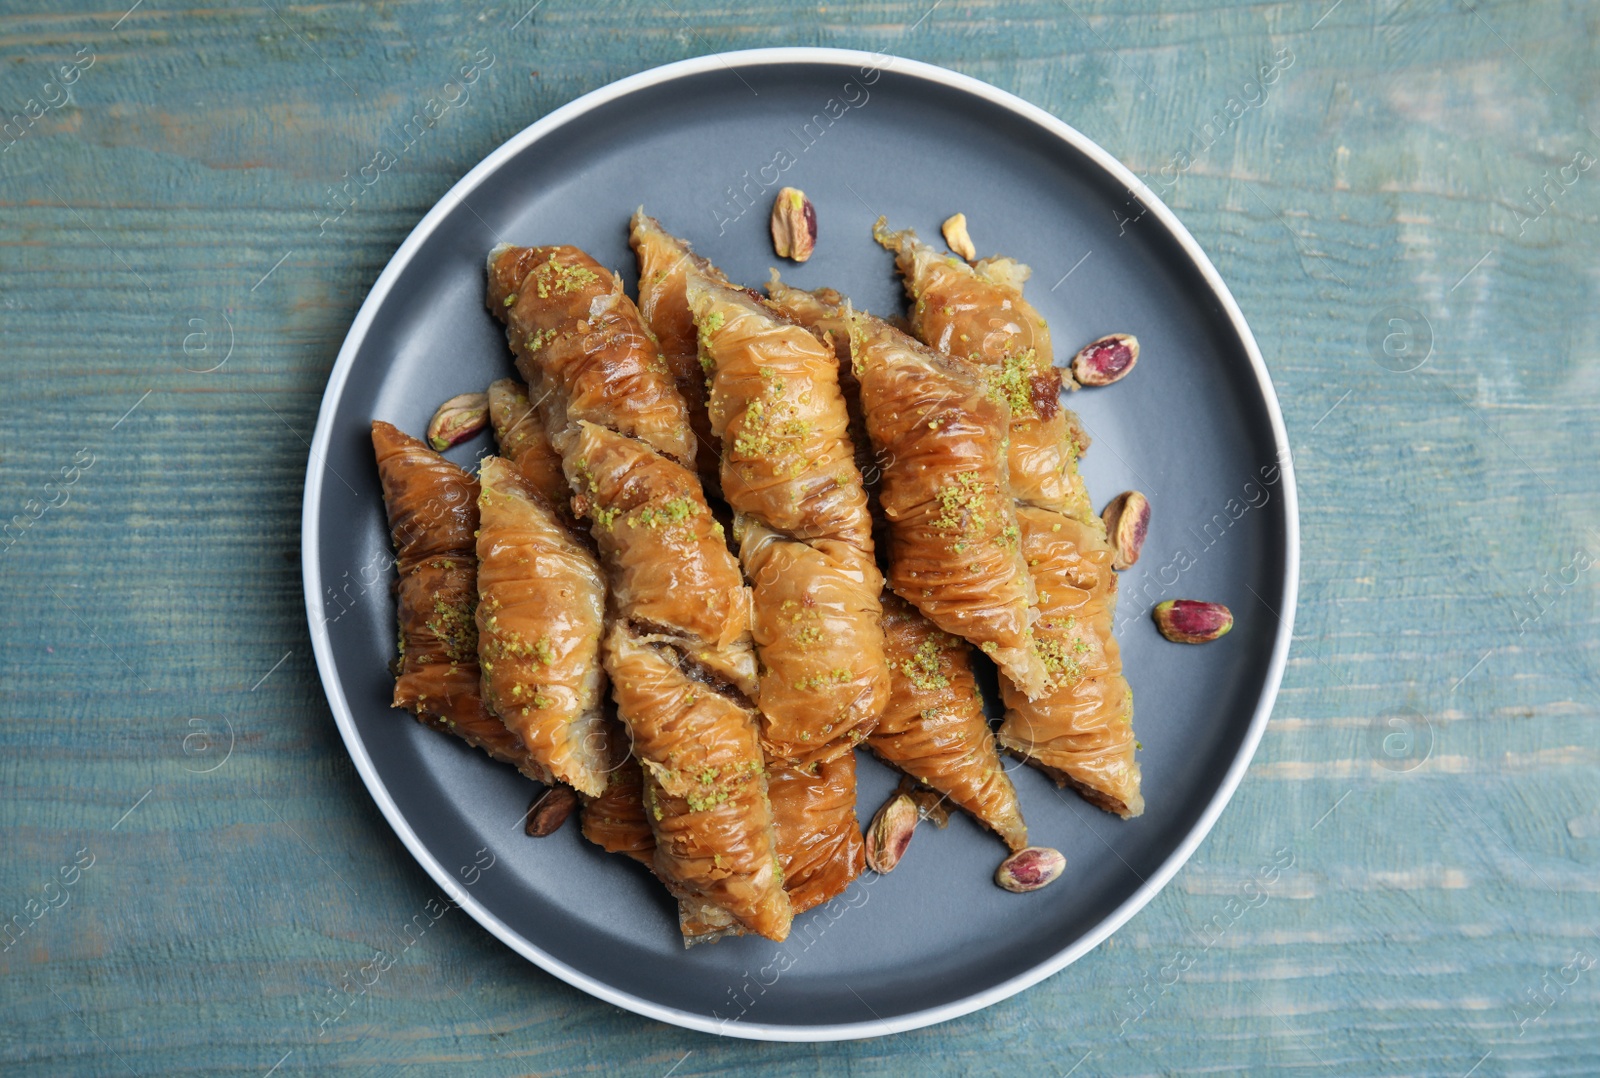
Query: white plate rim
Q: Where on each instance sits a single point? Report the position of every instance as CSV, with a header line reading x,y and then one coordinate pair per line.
x,y
322,643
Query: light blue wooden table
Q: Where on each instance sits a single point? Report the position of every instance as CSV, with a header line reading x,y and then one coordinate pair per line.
x,y
1408,216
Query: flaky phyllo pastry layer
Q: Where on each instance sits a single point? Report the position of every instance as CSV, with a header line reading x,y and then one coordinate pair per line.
x,y
826,314
678,651
617,822
705,785
955,551
976,314
519,432
801,521
584,351
666,555
612,818
664,265
933,728
433,511
804,544
1080,730
541,612
819,841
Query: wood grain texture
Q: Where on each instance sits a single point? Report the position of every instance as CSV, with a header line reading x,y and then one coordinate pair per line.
x,y
1436,900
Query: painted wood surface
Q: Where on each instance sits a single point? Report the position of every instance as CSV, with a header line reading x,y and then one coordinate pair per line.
x,y
1400,216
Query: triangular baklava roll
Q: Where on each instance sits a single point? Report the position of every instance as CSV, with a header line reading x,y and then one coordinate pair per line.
x,y
432,506
678,651
1080,731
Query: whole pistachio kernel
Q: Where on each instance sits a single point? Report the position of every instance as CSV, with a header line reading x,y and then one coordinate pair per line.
x,y
458,419
890,832
794,225
1188,621
1107,360
1030,869
1127,521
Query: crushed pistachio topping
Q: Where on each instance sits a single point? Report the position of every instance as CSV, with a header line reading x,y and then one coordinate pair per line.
x,y
672,511
713,322
923,669
770,426
963,505
752,439
677,510
584,478
454,625
1011,381
802,620
1057,661
715,785
838,676
554,278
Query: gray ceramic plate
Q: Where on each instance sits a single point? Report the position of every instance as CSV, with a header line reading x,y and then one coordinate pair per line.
x,y
704,144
